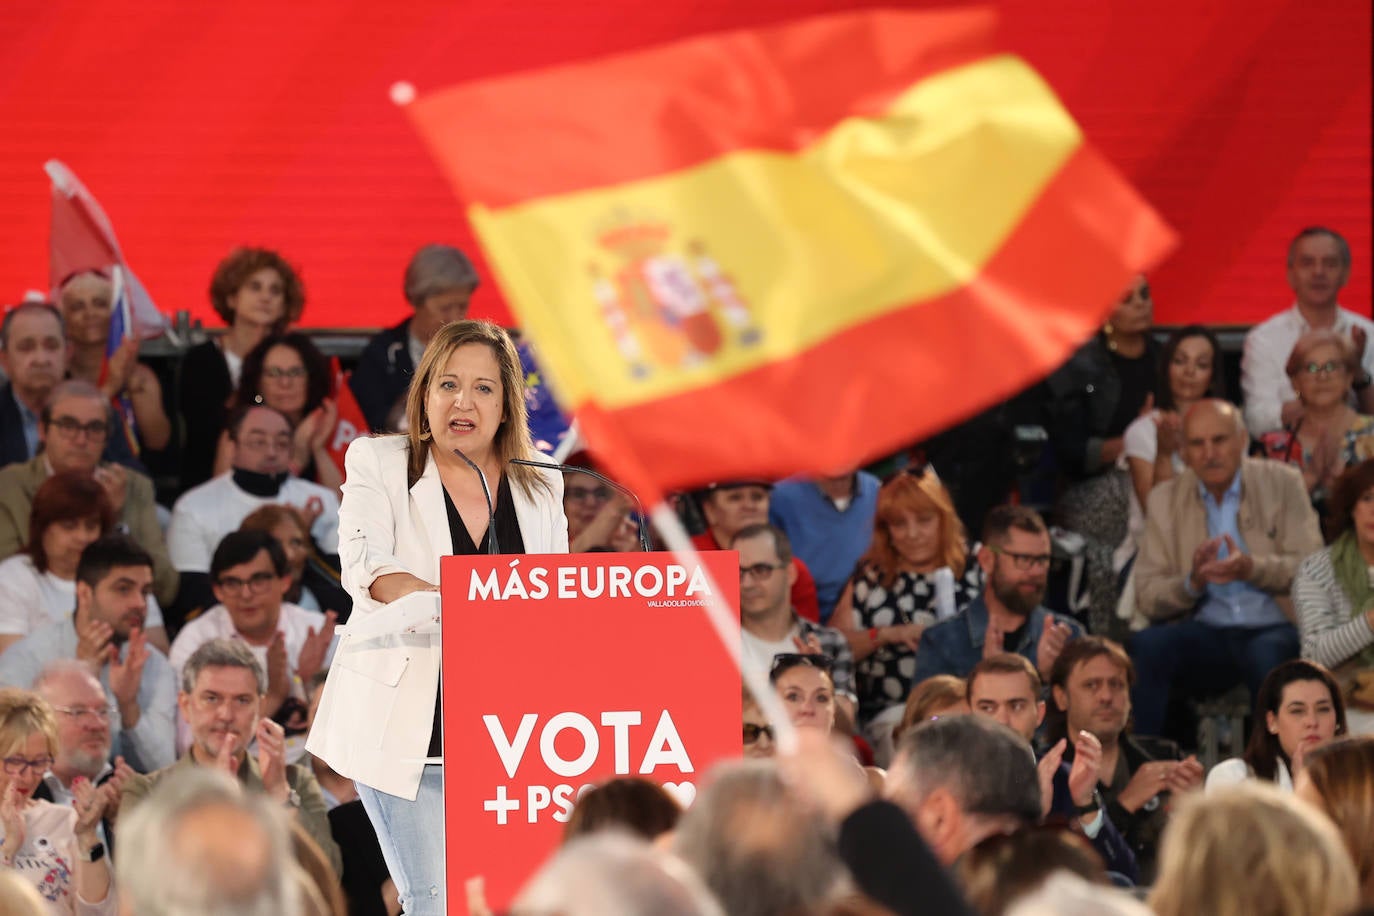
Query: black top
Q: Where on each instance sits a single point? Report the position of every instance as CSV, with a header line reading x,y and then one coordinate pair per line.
x,y
203,391
1138,378
508,539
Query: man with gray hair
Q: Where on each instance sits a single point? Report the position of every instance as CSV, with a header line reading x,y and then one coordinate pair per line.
x,y
614,874
222,691
201,846
760,848
439,282
74,427
962,779
1223,541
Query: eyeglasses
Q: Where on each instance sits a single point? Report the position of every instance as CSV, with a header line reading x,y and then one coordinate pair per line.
x,y
759,570
240,702
256,583
587,494
98,713
785,661
752,733
73,428
15,766
277,373
1330,367
1024,561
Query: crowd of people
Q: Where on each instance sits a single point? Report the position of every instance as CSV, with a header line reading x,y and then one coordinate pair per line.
x,y
998,711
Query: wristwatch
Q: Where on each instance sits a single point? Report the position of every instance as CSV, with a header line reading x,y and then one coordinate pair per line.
x,y
1094,805
293,798
95,853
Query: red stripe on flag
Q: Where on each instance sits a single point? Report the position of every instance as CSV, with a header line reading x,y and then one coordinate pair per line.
x,y
527,136
894,380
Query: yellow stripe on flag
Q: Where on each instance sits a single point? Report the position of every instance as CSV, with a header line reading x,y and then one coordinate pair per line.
x,y
877,215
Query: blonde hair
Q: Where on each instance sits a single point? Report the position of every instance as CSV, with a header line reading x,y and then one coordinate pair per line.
x,y
1297,357
24,713
512,436
937,692
1342,772
906,492
1252,850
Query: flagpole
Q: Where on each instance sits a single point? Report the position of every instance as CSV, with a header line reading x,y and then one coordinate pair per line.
x,y
725,621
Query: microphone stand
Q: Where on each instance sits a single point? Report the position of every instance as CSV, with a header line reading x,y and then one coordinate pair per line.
x,y
619,488
492,546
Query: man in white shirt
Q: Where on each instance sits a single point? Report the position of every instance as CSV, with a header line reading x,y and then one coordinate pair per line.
x,y
261,439
771,627
249,575
1318,266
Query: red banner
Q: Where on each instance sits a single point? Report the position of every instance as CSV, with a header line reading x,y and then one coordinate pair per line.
x,y
565,670
350,424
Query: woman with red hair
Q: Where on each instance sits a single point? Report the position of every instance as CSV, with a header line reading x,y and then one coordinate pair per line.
x,y
916,572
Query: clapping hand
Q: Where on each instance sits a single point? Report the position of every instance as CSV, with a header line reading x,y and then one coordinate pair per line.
x,y
315,648
1053,638
89,800
272,759
12,807
127,675
993,639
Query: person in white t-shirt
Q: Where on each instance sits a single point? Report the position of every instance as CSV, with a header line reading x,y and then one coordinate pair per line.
x,y
770,626
250,577
261,440
1318,266
38,586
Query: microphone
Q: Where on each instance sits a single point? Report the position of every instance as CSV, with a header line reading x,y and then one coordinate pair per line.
x,y
492,546
639,508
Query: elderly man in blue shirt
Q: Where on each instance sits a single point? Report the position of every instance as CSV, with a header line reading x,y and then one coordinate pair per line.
x,y
1222,542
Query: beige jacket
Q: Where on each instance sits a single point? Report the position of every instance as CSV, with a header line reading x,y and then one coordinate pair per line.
x,y
1276,521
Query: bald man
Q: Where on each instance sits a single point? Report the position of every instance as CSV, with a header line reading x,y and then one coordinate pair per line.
x,y
1222,542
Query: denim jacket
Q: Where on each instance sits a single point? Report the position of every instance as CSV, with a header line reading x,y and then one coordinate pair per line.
x,y
954,646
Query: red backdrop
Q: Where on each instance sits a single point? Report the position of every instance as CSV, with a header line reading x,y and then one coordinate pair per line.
x,y
203,126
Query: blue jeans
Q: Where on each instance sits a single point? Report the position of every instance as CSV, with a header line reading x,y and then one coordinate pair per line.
x,y
411,834
1198,659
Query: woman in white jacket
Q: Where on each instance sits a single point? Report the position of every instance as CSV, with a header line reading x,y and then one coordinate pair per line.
x,y
409,500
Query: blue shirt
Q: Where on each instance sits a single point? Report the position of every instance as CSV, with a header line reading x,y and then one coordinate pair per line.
x,y
955,645
829,540
1234,604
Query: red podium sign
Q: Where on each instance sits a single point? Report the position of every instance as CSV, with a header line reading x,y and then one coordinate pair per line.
x,y
561,670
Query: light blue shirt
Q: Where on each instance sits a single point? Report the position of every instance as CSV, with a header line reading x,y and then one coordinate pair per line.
x,y
1235,604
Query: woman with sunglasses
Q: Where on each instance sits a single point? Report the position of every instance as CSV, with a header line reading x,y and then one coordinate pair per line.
x,y
55,848
1328,434
916,571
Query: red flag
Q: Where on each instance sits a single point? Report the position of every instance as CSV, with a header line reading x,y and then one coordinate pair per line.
x,y
351,424
792,248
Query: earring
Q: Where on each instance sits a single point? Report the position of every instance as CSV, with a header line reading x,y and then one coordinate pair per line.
x,y
257,399
424,429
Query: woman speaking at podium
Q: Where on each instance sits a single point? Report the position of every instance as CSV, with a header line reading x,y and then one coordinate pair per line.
x,y
409,500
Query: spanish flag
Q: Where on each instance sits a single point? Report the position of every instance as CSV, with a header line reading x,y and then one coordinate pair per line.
x,y
795,248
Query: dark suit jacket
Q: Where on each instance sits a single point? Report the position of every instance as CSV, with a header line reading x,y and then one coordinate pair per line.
x,y
13,446
383,374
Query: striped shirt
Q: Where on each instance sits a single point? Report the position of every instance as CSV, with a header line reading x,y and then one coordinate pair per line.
x,y
1331,633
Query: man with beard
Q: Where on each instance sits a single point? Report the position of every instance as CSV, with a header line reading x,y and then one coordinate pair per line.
x,y
1091,683
106,633
83,738
261,441
1015,558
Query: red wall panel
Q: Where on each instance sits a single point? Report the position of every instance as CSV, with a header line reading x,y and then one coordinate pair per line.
x,y
201,126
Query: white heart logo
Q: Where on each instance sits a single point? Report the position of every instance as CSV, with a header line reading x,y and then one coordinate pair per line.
x,y
684,792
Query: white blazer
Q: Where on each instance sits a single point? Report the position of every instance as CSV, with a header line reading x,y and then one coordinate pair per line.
x,y
375,714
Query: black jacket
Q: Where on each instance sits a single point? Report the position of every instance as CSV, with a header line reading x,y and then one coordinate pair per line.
x,y
383,374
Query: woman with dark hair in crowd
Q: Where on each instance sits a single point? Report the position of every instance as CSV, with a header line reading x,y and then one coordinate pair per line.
x,y
627,803
1298,709
288,373
1328,434
1092,399
1334,597
1338,781
257,293
408,501
1190,370
1005,867
916,571
758,732
38,586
